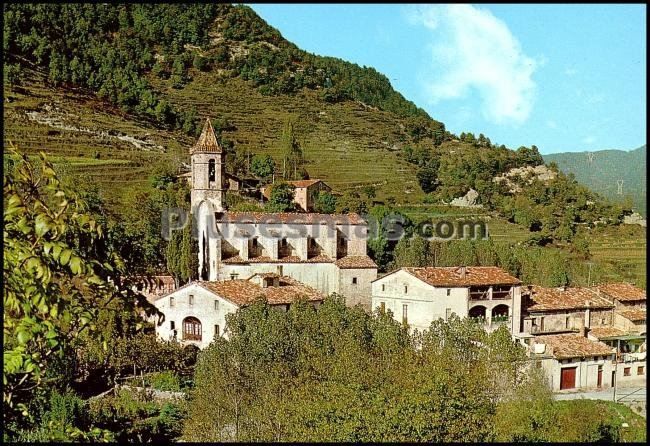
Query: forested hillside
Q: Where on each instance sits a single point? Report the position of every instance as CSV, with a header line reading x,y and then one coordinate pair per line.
x,y
115,95
602,170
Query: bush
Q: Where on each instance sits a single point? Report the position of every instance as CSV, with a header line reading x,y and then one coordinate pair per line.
x,y
166,380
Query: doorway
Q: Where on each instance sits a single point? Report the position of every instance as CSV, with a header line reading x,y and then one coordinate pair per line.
x,y
568,378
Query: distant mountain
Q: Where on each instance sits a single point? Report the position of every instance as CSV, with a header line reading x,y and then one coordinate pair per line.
x,y
602,171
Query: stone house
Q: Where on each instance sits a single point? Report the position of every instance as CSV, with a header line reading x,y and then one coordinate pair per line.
x,y
196,313
571,361
418,296
305,193
629,306
595,316
324,251
563,310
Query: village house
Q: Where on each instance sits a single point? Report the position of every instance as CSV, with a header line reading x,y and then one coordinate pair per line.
x,y
196,313
585,319
571,361
305,192
418,296
324,251
563,310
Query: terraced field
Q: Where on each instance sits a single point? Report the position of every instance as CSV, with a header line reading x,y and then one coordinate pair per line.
x,y
622,250
346,144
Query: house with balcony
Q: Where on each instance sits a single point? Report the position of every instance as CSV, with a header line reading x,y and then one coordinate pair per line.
x,y
418,296
196,313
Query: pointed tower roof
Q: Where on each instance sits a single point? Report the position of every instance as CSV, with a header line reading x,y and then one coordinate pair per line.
x,y
207,142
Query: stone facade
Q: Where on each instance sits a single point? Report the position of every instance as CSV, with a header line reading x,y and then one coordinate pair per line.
x,y
418,296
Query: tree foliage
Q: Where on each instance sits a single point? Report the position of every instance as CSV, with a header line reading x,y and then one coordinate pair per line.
x,y
59,272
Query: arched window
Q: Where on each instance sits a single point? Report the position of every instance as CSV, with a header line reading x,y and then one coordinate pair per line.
x,y
212,171
191,329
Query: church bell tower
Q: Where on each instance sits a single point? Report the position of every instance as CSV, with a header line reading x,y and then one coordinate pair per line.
x,y
208,171
208,196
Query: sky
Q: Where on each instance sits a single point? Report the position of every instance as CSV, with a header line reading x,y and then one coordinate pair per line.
x,y
566,78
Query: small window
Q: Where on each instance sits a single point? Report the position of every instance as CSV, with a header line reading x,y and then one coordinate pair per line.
x,y
447,314
382,307
171,301
191,299
212,171
627,371
255,242
405,316
639,370
448,291
216,330
383,287
406,289
354,281
172,325
566,322
216,305
284,243
603,321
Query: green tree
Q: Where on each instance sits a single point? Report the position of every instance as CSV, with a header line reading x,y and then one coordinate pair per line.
x,y
292,155
262,166
325,203
57,266
281,198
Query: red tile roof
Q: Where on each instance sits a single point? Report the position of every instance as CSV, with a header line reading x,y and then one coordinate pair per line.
x,y
574,346
549,299
634,315
244,292
353,262
207,141
303,183
453,276
622,291
606,332
289,218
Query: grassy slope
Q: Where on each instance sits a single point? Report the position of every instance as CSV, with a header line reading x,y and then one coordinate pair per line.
x,y
605,168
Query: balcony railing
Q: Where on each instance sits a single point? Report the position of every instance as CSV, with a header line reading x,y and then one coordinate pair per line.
x,y
191,337
501,295
500,319
479,295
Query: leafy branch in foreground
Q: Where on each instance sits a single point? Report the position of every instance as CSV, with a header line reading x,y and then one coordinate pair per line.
x,y
58,273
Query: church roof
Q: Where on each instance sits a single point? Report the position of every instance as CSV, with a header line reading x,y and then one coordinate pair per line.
x,y
289,218
207,142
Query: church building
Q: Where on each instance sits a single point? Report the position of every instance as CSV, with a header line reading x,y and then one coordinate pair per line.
x,y
324,251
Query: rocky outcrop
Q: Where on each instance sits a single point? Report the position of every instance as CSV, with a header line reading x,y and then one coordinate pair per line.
x,y
519,176
634,219
467,201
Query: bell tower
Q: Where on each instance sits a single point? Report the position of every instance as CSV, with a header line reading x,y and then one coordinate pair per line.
x,y
208,171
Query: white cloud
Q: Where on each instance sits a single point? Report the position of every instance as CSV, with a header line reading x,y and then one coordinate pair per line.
x,y
589,140
473,49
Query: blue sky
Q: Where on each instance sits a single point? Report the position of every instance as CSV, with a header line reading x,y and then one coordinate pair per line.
x,y
562,77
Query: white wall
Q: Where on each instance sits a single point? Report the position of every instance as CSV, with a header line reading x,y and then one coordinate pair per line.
x,y
203,309
359,293
586,371
425,302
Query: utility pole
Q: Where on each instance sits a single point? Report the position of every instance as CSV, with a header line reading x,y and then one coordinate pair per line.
x,y
618,349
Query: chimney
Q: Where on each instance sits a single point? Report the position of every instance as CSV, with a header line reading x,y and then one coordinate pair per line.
x,y
462,271
279,269
561,288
